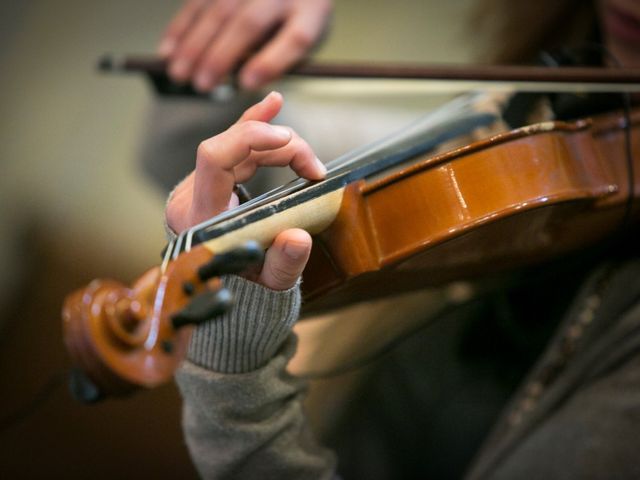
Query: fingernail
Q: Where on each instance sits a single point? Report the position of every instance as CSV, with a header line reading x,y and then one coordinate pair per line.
x,y
321,167
282,132
166,47
180,69
268,95
294,250
204,81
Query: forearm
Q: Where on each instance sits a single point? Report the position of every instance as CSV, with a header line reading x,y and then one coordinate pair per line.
x,y
243,415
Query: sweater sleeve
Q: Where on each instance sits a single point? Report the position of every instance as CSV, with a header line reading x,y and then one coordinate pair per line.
x,y
242,411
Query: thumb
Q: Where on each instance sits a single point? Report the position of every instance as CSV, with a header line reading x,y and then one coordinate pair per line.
x,y
285,259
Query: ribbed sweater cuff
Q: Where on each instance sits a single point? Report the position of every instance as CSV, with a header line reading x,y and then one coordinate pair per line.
x,y
249,335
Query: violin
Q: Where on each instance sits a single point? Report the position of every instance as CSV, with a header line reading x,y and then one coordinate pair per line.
x,y
391,217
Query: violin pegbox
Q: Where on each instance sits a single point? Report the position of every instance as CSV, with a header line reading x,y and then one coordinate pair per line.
x,y
204,306
121,338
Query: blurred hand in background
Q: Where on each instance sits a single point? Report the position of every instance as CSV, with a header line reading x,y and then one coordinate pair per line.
x,y
208,39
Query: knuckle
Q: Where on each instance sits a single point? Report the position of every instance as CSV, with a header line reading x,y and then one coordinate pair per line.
x,y
172,218
205,151
250,128
294,144
187,52
214,14
169,215
298,144
226,7
304,150
262,70
281,274
301,38
207,65
250,20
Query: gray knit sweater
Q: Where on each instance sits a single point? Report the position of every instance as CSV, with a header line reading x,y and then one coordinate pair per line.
x,y
243,413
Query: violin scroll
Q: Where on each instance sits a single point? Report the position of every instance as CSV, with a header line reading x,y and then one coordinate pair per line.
x,y
121,339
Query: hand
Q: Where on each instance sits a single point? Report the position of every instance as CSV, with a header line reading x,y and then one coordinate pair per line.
x,y
208,39
233,157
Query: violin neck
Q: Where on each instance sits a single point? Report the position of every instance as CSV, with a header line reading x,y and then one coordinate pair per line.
x,y
314,216
295,205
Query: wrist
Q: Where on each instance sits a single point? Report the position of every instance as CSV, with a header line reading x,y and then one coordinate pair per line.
x,y
250,334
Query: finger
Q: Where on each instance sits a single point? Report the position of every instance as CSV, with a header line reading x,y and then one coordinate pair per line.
x,y
216,158
265,110
178,26
243,31
299,34
297,154
236,144
285,259
177,210
194,43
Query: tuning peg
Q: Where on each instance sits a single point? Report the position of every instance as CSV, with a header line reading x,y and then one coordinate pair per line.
x,y
82,387
203,307
233,261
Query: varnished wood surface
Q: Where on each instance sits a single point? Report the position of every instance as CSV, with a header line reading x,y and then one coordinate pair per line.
x,y
510,200
123,338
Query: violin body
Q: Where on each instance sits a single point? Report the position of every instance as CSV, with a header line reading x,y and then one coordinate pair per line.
x,y
511,200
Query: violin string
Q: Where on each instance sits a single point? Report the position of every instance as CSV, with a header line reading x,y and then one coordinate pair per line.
x,y
377,162
458,114
462,104
340,164
447,309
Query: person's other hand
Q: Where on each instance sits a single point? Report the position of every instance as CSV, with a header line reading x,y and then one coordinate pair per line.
x,y
232,157
208,39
